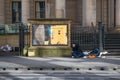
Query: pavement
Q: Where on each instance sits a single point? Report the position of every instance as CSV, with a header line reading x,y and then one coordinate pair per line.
x,y
59,63
59,75
58,68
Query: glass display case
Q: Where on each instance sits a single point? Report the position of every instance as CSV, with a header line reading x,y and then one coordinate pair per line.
x,y
50,35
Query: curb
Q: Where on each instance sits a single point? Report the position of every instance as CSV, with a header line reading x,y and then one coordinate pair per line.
x,y
61,68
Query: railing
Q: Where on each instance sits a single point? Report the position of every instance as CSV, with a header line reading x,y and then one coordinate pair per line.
x,y
12,28
89,37
86,37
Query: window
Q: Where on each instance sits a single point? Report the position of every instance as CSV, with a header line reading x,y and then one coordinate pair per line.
x,y
16,12
40,9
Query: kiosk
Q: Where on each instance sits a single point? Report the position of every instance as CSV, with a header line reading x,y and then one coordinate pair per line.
x,y
49,37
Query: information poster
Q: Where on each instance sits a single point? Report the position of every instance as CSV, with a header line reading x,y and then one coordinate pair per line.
x,y
49,35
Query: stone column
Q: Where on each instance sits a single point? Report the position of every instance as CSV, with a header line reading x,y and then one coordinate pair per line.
x,y
89,13
60,8
2,8
25,11
117,13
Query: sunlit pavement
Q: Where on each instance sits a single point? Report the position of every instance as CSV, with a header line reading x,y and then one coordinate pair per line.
x,y
56,68
58,62
59,75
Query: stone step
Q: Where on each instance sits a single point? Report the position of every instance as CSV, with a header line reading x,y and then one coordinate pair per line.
x,y
112,53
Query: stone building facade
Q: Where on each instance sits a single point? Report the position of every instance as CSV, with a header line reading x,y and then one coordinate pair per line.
x,y
83,12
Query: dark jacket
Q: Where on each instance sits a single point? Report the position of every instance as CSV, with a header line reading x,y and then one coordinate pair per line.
x,y
75,48
77,52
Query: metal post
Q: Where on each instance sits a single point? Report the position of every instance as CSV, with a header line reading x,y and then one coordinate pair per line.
x,y
21,38
101,33
28,33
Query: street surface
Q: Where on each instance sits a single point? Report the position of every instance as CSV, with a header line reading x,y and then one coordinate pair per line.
x,y
57,68
60,75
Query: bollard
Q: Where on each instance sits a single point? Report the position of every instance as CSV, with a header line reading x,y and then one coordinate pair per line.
x,y
101,35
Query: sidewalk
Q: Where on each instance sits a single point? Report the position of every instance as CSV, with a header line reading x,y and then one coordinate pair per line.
x,y
59,63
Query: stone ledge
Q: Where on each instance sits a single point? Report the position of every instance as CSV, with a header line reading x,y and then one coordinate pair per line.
x,y
49,52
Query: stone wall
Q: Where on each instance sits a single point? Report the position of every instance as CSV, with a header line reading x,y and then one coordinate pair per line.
x,y
74,10
105,11
2,18
12,40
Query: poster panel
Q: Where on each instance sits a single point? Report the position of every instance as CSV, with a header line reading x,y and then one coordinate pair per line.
x,y
50,35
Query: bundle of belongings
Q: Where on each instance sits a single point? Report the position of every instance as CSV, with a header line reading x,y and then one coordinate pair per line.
x,y
6,48
77,52
94,53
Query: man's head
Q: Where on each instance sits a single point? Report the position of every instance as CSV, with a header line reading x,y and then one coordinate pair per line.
x,y
73,45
